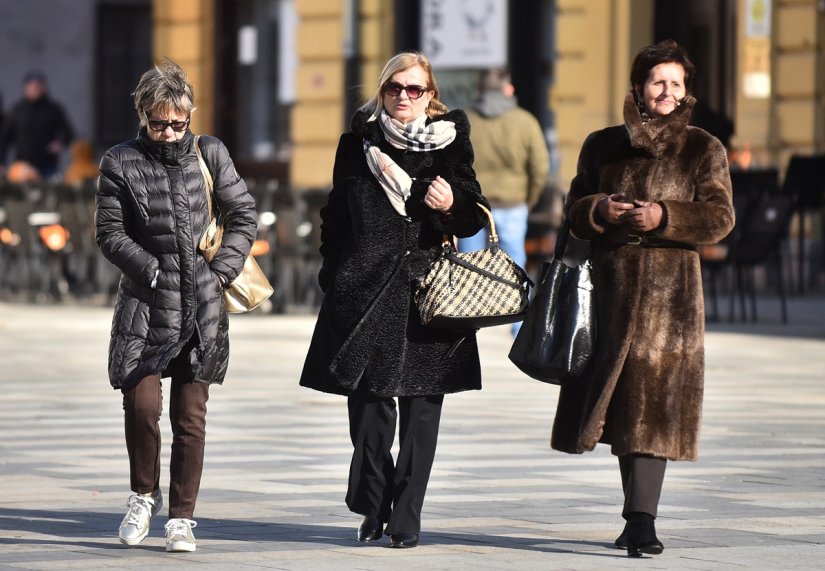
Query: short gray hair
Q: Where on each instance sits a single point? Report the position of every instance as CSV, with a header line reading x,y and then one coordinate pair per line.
x,y
164,87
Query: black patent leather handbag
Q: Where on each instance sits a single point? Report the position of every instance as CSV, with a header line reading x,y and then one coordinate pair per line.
x,y
556,340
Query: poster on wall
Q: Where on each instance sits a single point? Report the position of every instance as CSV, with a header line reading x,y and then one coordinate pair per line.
x,y
756,59
464,33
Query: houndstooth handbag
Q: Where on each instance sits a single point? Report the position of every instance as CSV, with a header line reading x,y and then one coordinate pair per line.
x,y
469,290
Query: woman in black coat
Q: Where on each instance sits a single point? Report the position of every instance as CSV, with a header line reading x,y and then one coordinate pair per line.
x,y
170,318
402,179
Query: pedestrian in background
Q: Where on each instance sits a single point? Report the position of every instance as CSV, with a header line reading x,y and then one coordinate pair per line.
x,y
511,163
403,177
170,319
36,128
646,193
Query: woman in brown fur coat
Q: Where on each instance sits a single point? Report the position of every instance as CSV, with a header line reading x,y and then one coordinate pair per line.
x,y
646,194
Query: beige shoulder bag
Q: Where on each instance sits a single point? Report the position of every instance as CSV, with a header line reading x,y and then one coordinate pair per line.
x,y
251,288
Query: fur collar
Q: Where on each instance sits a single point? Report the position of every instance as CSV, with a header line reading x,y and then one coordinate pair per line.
x,y
660,134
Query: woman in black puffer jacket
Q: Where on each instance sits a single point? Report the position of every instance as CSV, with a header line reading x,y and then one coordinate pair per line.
x,y
170,319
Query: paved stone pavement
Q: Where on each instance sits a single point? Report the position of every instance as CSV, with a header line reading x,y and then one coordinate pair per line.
x,y
500,498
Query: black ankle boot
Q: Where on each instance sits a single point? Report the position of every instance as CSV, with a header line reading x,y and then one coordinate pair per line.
x,y
641,535
621,541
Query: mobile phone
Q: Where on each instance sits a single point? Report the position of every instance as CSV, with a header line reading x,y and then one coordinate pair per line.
x,y
621,198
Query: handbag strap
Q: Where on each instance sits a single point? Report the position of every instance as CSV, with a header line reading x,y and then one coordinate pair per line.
x,y
207,176
572,250
561,239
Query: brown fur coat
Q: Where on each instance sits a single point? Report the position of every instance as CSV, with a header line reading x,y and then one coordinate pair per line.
x,y
644,389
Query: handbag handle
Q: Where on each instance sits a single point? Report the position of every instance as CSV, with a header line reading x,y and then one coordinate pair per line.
x,y
493,236
207,176
573,251
561,239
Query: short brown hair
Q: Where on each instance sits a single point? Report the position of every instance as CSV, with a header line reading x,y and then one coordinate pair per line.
x,y
494,79
164,87
666,51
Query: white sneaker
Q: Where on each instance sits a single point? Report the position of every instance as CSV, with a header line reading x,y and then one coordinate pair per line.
x,y
179,536
135,525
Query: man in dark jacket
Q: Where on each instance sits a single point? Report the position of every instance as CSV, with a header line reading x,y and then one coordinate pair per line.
x,y
37,128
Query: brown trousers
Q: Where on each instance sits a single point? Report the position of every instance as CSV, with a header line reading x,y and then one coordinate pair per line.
x,y
642,478
143,406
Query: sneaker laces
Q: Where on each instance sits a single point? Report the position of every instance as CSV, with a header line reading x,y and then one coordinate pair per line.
x,y
140,507
179,526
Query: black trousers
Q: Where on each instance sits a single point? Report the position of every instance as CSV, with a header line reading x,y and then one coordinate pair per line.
x,y
392,492
642,478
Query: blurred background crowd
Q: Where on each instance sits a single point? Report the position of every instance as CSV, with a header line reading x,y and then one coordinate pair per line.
x,y
278,80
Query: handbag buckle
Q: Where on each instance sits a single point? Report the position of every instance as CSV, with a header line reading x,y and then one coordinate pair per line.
x,y
634,239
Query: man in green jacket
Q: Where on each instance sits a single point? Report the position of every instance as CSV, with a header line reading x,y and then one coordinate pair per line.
x,y
511,163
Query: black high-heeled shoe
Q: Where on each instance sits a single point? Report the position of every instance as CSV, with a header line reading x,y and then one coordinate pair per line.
x,y
641,536
371,529
401,540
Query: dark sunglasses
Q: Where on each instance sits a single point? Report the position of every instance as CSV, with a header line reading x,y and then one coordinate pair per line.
x,y
394,89
158,125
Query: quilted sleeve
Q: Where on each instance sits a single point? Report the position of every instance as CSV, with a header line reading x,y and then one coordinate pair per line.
x,y
114,209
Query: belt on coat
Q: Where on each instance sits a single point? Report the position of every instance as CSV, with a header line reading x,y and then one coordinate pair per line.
x,y
645,241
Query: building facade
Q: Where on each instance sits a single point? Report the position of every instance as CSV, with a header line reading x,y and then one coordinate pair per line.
x,y
279,79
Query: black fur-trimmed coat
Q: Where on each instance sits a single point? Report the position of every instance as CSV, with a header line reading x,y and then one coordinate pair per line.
x,y
368,336
151,213
643,393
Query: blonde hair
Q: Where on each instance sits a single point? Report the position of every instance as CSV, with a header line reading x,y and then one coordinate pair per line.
x,y
164,88
400,62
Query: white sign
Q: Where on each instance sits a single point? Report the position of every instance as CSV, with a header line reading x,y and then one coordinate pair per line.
x,y
464,33
758,18
247,45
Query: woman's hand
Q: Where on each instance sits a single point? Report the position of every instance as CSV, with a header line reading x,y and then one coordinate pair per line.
x,y
613,208
645,216
439,195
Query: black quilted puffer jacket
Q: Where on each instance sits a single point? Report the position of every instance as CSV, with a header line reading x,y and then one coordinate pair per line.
x,y
151,213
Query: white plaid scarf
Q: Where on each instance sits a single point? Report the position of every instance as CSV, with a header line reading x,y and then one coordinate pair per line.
x,y
417,135
414,136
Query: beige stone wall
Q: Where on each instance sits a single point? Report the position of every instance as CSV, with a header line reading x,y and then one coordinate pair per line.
x,y
792,119
318,115
183,30
796,107
377,41
596,43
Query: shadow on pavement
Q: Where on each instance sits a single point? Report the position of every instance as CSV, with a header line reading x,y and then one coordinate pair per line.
x,y
74,528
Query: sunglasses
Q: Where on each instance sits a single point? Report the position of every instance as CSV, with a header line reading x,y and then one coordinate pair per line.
x,y
394,89
158,125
